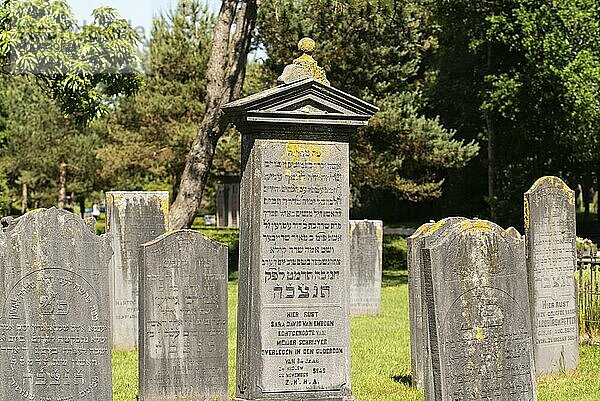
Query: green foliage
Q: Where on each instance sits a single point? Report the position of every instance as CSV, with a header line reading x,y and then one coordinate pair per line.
x,y
532,69
229,237
80,67
375,50
149,135
37,138
394,253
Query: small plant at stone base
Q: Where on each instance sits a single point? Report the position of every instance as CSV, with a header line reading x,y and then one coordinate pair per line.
x,y
585,247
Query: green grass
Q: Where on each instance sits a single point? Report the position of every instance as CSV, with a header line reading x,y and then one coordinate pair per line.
x,y
381,357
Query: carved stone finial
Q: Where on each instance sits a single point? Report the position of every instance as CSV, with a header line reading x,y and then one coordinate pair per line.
x,y
304,66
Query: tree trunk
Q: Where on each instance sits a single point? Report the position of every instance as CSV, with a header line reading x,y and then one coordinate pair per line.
x,y
491,150
82,206
24,191
225,75
72,202
62,185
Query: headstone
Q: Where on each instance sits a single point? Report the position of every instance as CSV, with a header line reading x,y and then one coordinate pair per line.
x,y
183,318
426,235
551,262
293,298
132,218
479,326
55,326
366,251
228,205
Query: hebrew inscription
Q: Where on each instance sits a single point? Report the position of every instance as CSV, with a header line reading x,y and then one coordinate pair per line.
x,y
551,262
303,262
478,324
55,342
183,318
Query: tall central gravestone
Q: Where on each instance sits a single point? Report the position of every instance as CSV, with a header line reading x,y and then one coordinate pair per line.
x,y
132,218
478,321
293,308
551,263
55,342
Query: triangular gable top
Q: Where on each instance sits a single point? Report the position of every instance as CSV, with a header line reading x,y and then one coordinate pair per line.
x,y
303,102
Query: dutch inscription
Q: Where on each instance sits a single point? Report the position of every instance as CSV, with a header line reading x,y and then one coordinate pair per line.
x,y
551,263
133,218
55,342
183,318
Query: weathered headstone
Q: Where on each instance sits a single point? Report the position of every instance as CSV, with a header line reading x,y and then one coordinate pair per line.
x,y
55,341
183,318
228,205
293,300
479,325
551,263
132,218
415,305
366,251
426,235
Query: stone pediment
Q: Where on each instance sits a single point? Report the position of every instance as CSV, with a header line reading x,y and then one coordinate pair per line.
x,y
301,102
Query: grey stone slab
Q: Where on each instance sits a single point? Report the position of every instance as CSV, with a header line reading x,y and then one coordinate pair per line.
x,y
293,308
366,251
55,326
551,263
132,218
479,324
426,235
183,319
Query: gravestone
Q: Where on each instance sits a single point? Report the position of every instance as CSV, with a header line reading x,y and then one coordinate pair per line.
x,y
293,298
228,205
55,341
183,318
551,263
366,248
426,235
132,218
478,321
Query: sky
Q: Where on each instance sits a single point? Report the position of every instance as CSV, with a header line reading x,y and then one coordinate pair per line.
x,y
138,12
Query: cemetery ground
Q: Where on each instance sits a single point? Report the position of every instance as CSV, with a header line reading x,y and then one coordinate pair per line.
x,y
381,350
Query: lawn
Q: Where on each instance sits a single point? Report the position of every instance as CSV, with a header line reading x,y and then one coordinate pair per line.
x,y
381,357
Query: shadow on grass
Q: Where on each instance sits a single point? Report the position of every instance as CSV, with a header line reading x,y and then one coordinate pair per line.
x,y
403,379
393,278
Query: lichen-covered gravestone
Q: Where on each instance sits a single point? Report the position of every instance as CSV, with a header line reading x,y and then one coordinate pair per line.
x,y
55,342
183,318
366,247
426,235
551,263
415,305
479,326
132,218
293,299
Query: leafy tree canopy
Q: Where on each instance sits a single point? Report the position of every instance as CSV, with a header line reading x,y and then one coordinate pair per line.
x,y
79,66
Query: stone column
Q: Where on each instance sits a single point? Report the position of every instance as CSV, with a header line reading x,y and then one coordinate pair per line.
x,y
293,300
